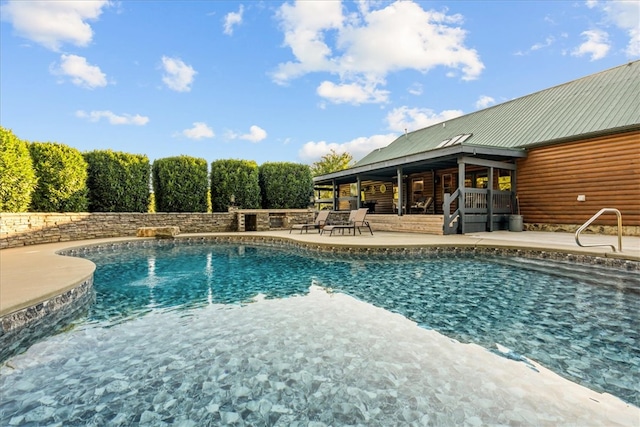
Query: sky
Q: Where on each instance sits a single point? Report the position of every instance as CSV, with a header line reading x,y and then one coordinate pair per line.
x,y
289,81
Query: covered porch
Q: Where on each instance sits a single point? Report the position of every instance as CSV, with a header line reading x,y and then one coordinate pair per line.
x,y
451,190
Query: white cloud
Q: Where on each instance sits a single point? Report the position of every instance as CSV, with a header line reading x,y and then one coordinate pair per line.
x,y
352,93
597,45
232,19
256,134
178,75
485,101
410,119
416,89
547,42
304,25
198,131
114,119
358,148
626,16
370,44
80,72
52,23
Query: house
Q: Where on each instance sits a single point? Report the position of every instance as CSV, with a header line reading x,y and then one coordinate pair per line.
x,y
555,157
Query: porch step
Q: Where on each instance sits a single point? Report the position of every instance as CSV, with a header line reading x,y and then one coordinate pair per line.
x,y
426,224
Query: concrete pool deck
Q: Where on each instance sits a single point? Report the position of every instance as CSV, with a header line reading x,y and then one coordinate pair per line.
x,y
32,274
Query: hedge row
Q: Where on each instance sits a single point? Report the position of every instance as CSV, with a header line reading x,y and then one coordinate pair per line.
x,y
234,183
180,184
17,175
62,179
117,182
51,177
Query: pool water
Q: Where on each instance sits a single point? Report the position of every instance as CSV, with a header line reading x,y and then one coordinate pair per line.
x,y
220,333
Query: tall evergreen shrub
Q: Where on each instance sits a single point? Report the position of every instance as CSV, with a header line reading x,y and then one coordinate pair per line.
x,y
237,178
285,185
118,182
17,175
180,184
62,178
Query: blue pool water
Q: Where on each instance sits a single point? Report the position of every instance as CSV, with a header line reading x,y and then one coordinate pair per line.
x,y
582,324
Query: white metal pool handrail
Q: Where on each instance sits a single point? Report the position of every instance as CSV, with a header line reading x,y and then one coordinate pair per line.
x,y
593,218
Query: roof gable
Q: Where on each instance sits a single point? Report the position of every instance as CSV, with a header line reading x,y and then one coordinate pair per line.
x,y
601,102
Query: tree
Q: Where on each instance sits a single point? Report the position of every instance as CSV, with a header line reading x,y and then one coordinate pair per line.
x,y
332,162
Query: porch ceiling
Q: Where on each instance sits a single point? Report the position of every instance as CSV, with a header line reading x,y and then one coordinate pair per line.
x,y
444,158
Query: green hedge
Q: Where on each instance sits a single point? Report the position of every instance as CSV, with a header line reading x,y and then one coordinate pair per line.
x,y
285,185
237,178
180,184
17,175
118,182
62,178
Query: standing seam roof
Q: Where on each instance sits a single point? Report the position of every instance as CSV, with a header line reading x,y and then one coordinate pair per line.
x,y
603,101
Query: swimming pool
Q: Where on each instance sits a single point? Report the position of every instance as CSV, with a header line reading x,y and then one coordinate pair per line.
x,y
232,334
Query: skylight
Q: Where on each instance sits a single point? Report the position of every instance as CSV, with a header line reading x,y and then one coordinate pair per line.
x,y
458,139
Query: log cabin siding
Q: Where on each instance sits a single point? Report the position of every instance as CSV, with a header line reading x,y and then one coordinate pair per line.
x,y
606,170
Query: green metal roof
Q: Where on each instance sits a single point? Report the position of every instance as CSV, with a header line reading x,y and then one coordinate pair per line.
x,y
604,102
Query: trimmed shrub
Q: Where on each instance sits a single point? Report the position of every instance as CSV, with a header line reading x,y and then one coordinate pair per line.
x,y
285,185
17,175
180,184
237,178
62,178
118,182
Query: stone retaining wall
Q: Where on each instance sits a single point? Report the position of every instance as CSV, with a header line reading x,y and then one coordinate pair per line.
x,y
611,230
22,229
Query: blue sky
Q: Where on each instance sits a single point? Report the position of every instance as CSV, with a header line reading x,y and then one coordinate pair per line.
x,y
285,81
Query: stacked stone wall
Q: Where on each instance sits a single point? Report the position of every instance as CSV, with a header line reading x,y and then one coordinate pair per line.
x,y
21,229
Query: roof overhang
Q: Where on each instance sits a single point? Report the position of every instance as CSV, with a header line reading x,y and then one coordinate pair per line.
x,y
442,158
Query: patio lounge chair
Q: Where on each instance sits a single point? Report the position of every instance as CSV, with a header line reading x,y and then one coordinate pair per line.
x,y
355,222
423,205
321,220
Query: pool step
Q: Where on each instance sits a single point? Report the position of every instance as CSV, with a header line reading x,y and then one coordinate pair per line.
x,y
592,273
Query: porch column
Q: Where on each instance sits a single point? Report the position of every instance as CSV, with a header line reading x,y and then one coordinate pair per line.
x,y
490,200
336,194
359,192
400,191
462,197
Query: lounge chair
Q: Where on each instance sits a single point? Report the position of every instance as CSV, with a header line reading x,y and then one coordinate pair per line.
x,y
423,205
321,220
356,221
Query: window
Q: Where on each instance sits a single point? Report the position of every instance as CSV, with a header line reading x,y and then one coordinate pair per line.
x,y
504,180
447,183
476,180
